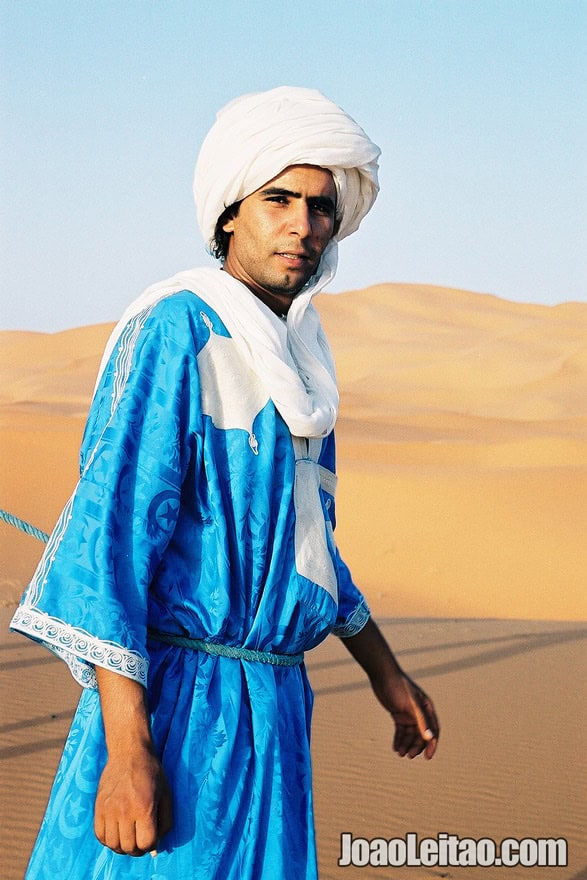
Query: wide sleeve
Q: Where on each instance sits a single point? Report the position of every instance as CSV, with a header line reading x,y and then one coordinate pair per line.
x,y
88,598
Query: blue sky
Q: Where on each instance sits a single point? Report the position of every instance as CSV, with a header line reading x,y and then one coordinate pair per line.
x,y
479,107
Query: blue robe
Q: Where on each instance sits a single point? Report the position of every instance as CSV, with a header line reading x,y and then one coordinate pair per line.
x,y
196,514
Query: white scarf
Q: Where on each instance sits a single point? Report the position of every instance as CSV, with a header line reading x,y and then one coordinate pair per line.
x,y
292,359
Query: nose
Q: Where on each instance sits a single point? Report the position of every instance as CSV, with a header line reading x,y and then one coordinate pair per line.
x,y
301,219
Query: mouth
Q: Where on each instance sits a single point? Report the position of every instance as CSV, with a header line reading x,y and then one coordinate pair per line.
x,y
295,258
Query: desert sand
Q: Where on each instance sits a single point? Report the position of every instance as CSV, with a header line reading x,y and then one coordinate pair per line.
x,y
462,448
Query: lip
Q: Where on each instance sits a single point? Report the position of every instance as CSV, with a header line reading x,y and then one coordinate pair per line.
x,y
295,258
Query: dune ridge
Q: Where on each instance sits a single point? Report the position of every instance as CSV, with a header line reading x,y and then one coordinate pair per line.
x,y
463,451
462,446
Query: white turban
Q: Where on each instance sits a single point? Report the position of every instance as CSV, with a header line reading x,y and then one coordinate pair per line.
x,y
257,136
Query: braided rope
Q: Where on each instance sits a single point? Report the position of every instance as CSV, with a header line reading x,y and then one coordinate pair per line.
x,y
23,526
234,651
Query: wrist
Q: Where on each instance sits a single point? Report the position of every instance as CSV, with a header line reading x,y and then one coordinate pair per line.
x,y
133,741
371,651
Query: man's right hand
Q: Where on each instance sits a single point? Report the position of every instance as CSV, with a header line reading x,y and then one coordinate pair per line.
x,y
133,805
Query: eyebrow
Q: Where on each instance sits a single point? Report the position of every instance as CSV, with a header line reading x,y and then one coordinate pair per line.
x,y
325,201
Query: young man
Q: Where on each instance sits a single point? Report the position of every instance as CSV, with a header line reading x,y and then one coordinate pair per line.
x,y
195,562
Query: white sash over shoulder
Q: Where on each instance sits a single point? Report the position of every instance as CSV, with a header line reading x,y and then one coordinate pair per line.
x,y
291,358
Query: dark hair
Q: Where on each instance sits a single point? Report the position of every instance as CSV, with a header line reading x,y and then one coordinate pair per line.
x,y
221,239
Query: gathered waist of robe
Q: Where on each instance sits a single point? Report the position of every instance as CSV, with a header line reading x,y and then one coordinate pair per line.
x,y
236,652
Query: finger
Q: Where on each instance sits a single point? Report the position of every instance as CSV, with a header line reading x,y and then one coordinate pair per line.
x,y
432,732
430,743
164,818
415,745
430,749
408,742
405,738
426,718
128,839
111,837
146,836
421,716
416,750
99,829
400,740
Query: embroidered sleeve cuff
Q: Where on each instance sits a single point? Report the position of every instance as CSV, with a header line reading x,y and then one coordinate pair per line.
x,y
354,623
81,651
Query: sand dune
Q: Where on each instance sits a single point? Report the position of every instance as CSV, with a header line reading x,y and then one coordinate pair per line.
x,y
463,451
462,446
47,381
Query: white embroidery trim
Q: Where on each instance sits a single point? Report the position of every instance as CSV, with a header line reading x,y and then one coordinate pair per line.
x,y
123,363
77,647
354,623
39,578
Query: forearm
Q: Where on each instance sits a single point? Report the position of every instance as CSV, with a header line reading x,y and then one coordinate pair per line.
x,y
372,652
125,713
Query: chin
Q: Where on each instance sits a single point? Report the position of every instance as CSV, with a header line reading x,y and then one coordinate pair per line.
x,y
292,286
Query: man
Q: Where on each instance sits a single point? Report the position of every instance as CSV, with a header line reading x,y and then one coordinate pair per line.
x,y
195,562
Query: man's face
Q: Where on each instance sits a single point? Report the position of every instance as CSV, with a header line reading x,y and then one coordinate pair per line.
x,y
280,233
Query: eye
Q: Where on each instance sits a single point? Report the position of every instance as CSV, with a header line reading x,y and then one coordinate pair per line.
x,y
323,213
323,209
280,200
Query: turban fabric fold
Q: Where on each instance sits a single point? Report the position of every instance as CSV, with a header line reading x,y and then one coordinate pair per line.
x,y
257,136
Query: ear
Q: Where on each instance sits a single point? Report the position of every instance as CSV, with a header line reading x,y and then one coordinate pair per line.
x,y
229,225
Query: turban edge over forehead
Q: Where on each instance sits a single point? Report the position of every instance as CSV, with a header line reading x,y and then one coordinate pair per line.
x,y
255,137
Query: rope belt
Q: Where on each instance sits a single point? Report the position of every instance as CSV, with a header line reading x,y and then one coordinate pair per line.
x,y
234,651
